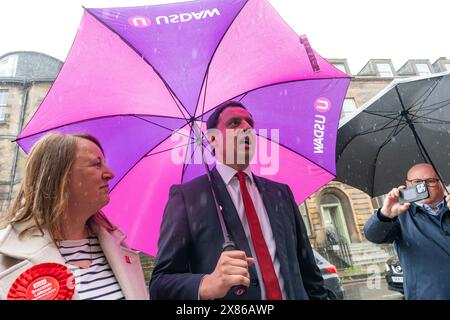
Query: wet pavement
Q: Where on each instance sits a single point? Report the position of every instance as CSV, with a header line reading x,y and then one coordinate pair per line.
x,y
370,290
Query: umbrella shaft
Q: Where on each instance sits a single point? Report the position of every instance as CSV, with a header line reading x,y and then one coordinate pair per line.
x,y
228,243
419,142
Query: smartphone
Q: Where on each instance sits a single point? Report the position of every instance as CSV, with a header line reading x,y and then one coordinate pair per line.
x,y
414,193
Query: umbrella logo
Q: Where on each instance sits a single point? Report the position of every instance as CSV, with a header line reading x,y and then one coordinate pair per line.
x,y
139,22
188,16
239,292
322,105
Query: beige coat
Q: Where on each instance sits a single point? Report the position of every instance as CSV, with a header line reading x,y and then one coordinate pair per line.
x,y
16,256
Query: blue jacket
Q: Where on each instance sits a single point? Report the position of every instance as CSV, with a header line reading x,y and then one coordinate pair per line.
x,y
423,246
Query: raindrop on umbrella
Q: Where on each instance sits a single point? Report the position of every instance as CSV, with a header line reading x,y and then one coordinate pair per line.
x,y
194,53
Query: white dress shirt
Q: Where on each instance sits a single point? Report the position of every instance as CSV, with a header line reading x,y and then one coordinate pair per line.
x,y
228,175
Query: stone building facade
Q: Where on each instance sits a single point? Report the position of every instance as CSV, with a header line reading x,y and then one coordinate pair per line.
x,y
25,78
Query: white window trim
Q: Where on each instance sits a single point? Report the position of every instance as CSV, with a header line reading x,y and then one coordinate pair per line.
x,y
3,104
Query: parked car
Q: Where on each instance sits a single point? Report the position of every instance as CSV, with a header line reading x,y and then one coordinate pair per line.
x,y
331,279
394,275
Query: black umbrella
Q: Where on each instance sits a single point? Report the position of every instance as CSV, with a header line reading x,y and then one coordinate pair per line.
x,y
406,123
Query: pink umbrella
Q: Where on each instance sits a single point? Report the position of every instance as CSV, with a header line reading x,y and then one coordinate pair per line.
x,y
136,75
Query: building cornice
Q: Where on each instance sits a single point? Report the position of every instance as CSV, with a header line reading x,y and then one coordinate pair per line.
x,y
11,80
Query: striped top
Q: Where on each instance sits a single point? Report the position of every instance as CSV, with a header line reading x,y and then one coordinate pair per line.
x,y
97,282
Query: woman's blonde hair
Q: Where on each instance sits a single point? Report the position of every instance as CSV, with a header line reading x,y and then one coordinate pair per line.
x,y
43,195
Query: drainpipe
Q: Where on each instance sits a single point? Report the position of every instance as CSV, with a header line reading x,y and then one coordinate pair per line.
x,y
26,92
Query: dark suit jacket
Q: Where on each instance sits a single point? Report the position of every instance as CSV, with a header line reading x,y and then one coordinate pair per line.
x,y
190,242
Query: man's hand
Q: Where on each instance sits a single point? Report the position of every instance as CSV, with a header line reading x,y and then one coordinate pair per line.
x,y
231,270
391,205
447,199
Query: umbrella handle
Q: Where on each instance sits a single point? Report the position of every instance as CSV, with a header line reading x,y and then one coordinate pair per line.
x,y
237,290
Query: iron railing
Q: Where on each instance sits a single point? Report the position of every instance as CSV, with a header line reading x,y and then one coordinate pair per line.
x,y
336,251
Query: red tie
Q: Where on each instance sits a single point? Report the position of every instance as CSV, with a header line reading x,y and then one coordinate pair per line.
x,y
273,291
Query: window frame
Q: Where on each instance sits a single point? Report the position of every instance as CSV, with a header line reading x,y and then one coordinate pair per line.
x,y
3,104
345,113
382,73
420,73
8,66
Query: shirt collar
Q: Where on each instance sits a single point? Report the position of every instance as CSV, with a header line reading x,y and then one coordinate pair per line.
x,y
428,209
227,173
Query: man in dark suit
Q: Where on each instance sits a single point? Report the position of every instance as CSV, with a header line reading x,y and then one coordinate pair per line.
x,y
261,216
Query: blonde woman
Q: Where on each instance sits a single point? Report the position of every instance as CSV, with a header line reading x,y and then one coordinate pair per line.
x,y
55,224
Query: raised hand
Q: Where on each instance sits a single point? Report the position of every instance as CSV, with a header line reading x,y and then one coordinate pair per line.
x,y
391,205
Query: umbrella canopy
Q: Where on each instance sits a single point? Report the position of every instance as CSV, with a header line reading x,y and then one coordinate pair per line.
x,y
407,123
134,76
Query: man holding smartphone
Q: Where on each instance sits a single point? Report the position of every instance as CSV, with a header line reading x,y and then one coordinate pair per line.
x,y
421,233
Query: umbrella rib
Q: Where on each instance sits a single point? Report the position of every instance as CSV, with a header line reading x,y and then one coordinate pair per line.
x,y
192,155
303,156
429,110
145,156
243,96
379,112
392,115
377,130
386,126
205,146
204,96
158,125
435,106
425,94
388,139
214,53
434,121
95,118
142,57
185,164
393,133
273,84
438,121
419,143
175,99
422,100
165,150
415,117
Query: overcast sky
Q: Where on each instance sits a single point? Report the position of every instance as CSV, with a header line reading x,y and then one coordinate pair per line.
x,y
352,29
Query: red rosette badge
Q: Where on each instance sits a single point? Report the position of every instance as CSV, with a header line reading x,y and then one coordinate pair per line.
x,y
45,281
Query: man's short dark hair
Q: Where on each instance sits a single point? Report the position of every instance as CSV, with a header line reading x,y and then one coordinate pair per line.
x,y
213,119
